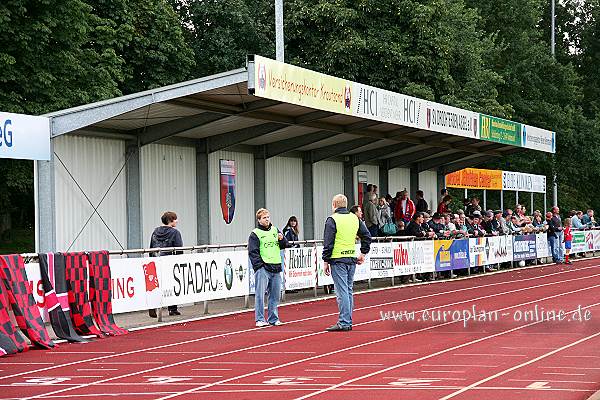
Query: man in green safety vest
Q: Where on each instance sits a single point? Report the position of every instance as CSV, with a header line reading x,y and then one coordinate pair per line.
x,y
264,249
339,255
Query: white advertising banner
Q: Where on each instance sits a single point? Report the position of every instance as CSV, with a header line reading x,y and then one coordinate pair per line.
x,y
24,136
541,243
300,269
520,182
490,250
189,278
362,272
135,284
596,240
538,139
380,260
452,120
413,257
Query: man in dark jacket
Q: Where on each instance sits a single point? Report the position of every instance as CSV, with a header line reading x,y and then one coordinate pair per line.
x,y
166,236
264,249
555,235
340,258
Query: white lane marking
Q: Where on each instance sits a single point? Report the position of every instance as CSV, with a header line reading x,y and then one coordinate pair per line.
x,y
211,369
581,356
128,362
538,385
322,332
382,353
527,348
58,353
181,352
559,367
97,369
281,352
459,365
489,355
444,372
324,370
521,365
311,318
439,352
561,373
549,380
347,364
236,362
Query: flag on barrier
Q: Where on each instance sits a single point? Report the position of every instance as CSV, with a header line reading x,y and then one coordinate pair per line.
x,y
52,272
100,293
77,283
27,314
11,341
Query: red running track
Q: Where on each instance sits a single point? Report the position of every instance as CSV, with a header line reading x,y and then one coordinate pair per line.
x,y
498,356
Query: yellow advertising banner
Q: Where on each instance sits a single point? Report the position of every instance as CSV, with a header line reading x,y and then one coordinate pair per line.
x,y
295,85
472,178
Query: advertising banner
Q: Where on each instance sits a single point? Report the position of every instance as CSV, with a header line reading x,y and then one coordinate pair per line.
x,y
380,260
227,189
452,120
490,250
451,254
542,246
538,139
524,247
135,284
500,130
596,240
189,278
522,182
24,136
300,268
472,178
362,272
412,257
579,242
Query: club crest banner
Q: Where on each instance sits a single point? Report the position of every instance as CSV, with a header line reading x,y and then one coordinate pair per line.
x,y
227,177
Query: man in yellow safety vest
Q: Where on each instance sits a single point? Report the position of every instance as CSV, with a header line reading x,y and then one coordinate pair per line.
x,y
339,255
264,249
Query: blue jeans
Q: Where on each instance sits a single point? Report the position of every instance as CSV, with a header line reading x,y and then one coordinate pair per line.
x,y
266,283
556,246
343,280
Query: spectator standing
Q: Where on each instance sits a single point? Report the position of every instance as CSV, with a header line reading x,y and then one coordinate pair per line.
x,y
405,208
166,236
291,230
555,235
568,239
371,215
421,205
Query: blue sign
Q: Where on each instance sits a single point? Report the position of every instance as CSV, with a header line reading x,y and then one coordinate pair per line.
x,y
451,254
524,247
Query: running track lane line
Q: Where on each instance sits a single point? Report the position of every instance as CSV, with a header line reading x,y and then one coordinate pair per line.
x,y
313,334
489,378
442,352
311,318
360,345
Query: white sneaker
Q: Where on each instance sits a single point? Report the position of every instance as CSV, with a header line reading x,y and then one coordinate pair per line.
x,y
277,323
260,324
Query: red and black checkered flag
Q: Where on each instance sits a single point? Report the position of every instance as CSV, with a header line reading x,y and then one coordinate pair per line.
x,y
25,309
100,293
77,283
11,341
52,271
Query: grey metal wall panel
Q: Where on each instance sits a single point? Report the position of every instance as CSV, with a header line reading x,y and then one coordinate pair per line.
x,y
94,163
243,220
168,181
284,190
398,180
328,180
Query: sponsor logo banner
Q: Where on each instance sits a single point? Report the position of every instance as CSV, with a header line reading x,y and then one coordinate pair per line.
x,y
524,247
473,178
380,260
541,244
452,120
538,139
580,244
490,250
227,187
300,268
362,272
24,136
596,240
189,278
500,130
413,257
522,182
451,254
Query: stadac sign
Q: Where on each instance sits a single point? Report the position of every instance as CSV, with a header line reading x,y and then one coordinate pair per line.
x,y
24,137
287,83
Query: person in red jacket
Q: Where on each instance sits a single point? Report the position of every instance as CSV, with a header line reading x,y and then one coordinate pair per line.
x,y
404,209
568,239
444,206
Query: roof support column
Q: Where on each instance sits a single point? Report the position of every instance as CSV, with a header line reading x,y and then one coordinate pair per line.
x,y
134,196
414,182
441,182
349,182
260,185
45,204
383,179
202,199
307,199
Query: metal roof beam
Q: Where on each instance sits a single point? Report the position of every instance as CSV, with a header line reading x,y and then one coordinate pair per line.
x,y
287,145
164,130
374,154
313,116
225,140
439,161
406,159
457,166
339,149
